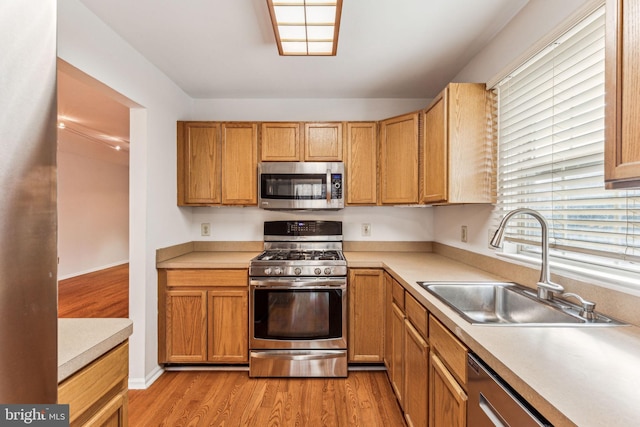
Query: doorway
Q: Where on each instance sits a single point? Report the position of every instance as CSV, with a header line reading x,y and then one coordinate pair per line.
x,y
93,191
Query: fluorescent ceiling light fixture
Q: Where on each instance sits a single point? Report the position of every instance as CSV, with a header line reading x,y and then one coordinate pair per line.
x,y
306,27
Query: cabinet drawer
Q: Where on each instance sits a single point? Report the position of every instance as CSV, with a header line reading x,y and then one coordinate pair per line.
x,y
417,314
452,352
397,292
203,277
92,387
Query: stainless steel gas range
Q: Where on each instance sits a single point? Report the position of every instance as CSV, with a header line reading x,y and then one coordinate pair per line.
x,y
298,302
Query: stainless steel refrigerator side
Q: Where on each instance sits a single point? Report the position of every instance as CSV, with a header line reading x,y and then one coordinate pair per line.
x,y
28,219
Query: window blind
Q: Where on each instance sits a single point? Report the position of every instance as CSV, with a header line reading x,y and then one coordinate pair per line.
x,y
551,152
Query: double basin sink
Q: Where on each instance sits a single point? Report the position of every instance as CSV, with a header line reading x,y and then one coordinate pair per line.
x,y
509,304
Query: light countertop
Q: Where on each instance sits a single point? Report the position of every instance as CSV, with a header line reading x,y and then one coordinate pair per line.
x,y
572,375
81,341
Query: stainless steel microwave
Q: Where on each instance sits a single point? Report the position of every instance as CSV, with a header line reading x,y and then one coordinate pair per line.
x,y
298,185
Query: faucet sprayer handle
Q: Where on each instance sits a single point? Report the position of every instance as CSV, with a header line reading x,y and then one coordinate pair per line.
x,y
587,306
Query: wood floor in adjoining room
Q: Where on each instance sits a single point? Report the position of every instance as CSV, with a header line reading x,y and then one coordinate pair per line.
x,y
103,293
231,398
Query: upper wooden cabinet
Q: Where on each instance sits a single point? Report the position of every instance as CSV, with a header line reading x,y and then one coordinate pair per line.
x,y
323,142
457,164
198,163
297,142
280,142
217,163
361,159
399,160
622,81
239,163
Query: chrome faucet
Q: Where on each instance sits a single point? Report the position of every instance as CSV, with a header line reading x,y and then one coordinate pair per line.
x,y
546,288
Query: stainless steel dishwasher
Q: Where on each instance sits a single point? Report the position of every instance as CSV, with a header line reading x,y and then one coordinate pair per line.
x,y
493,403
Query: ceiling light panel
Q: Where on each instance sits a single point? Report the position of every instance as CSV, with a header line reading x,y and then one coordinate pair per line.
x,y
306,27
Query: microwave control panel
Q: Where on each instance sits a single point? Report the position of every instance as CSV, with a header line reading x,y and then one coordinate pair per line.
x,y
336,186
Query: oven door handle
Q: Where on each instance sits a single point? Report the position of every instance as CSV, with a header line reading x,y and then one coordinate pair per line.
x,y
297,354
293,285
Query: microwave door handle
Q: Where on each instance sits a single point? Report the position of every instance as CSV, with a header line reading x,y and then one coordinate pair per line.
x,y
328,186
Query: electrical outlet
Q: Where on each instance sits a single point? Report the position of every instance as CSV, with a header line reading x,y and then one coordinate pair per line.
x,y
366,230
463,234
205,229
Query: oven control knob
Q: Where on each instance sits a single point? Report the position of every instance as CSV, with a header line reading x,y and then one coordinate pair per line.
x,y
297,271
267,271
327,271
317,271
277,271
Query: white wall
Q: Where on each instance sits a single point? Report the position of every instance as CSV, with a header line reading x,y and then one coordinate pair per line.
x,y
93,206
535,22
88,44
387,223
292,109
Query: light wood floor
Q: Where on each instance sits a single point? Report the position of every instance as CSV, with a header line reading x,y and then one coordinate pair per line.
x,y
231,398
206,398
103,293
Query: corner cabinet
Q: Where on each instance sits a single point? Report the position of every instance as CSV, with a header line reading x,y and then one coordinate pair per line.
x,y
622,83
203,316
399,159
361,163
217,163
457,162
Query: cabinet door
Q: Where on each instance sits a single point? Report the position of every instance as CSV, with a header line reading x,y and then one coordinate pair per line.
x,y
447,400
323,142
416,396
435,169
388,326
397,359
113,414
366,315
399,160
239,164
199,163
457,147
361,164
228,337
622,80
186,326
280,142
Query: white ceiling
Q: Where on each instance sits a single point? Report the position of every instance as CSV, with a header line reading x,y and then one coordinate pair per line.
x,y
386,49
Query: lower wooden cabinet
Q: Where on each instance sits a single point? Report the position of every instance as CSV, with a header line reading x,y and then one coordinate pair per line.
x,y
447,399
203,316
416,377
447,378
98,394
396,374
366,315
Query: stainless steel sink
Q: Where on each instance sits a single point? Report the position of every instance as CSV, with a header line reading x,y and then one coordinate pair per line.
x,y
509,304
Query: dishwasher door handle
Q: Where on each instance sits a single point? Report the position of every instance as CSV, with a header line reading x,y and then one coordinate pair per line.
x,y
491,413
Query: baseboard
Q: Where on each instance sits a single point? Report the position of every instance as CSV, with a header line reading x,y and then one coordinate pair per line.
x,y
92,270
144,383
